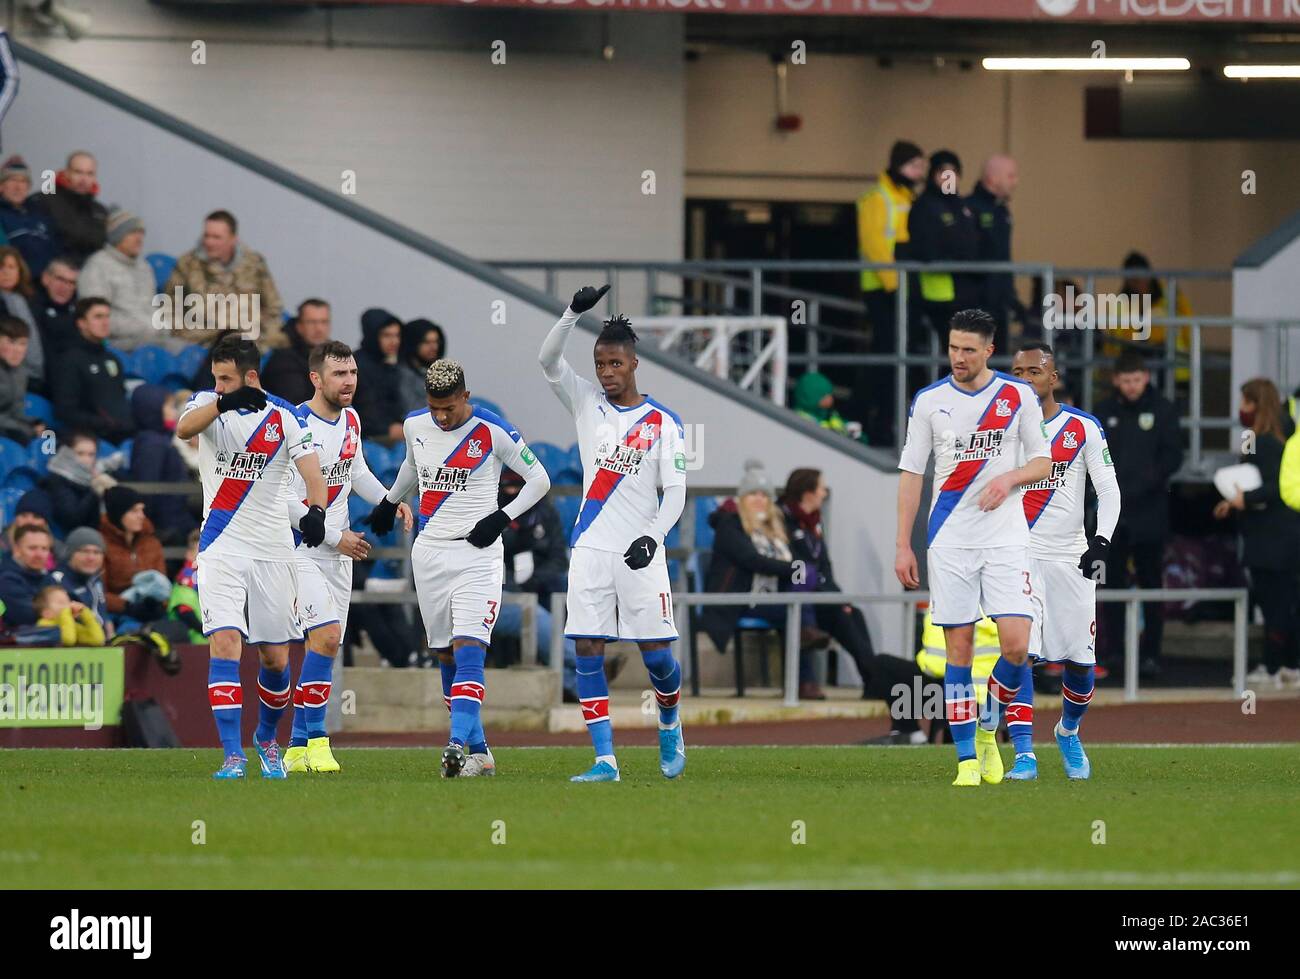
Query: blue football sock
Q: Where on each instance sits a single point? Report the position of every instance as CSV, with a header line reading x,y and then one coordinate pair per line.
x,y
274,694
593,695
959,701
666,678
448,671
467,692
1077,683
1004,684
298,732
1020,712
315,683
226,697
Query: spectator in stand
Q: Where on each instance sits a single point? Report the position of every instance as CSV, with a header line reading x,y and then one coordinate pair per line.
x,y
16,290
286,372
130,546
1142,434
801,503
536,561
54,305
89,388
28,228
814,399
751,553
120,274
75,623
154,459
183,606
988,205
882,237
1270,536
423,342
379,399
32,510
14,423
941,228
222,266
188,449
78,217
24,572
74,482
82,572
1140,283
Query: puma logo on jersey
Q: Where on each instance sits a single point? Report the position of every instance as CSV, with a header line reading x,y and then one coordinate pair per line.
x,y
419,442
1069,441
1003,409
475,449
273,432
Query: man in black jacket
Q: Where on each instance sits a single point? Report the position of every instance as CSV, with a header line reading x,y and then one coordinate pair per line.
x,y
89,386
54,305
81,220
1144,439
287,369
940,227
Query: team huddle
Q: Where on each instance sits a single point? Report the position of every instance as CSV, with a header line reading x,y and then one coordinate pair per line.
x,y
1005,539
276,551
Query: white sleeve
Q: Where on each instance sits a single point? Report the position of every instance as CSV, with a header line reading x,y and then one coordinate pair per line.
x,y
1032,439
297,437
919,443
670,510
365,483
198,400
672,455
1101,471
573,391
407,478
537,483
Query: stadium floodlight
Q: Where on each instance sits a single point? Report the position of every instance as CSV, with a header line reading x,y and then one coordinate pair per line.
x,y
1262,71
1086,64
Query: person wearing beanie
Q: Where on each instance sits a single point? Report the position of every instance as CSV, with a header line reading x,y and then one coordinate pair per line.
x,y
287,373
80,219
120,274
814,399
130,546
28,228
882,237
380,400
82,570
941,228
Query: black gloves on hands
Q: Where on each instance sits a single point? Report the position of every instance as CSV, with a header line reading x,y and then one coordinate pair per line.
x,y
640,553
382,516
1095,554
312,526
487,530
587,297
245,397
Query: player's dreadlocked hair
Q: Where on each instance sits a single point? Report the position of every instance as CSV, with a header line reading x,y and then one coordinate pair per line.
x,y
973,321
618,329
444,378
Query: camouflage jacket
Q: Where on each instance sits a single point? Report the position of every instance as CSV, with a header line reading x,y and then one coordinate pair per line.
x,y
226,298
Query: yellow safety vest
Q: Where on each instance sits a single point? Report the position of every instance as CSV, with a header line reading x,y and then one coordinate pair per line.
x,y
882,225
932,658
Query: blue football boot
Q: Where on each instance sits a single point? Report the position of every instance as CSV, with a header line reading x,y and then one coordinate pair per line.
x,y
233,767
1073,757
602,771
1024,770
268,753
672,751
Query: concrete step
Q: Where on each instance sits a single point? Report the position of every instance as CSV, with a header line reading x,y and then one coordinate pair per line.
x,y
384,699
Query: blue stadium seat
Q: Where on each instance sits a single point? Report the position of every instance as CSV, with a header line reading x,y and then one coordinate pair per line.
x,y
567,507
552,457
358,510
121,355
573,460
125,449
674,537
189,360
151,363
265,357
37,458
397,454
162,266
12,455
488,405
24,478
378,457
9,497
35,406
704,506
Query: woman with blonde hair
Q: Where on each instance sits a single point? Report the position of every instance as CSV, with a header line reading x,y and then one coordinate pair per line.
x,y
1270,534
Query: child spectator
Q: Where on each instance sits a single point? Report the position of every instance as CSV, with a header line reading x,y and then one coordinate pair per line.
x,y
82,571
154,459
77,625
14,423
814,398
184,603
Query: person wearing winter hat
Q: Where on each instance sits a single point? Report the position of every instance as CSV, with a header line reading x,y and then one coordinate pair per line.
x,y
379,399
120,274
941,228
882,237
28,228
814,399
82,570
130,546
78,216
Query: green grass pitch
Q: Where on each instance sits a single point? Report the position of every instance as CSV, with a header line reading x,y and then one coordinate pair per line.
x,y
1169,817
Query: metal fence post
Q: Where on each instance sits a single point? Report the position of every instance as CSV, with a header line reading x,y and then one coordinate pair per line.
x,y
756,292
1171,342
1089,346
1131,650
1194,408
814,321
900,369
557,633
1240,608
794,616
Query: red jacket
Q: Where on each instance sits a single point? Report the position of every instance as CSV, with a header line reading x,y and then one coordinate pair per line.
x,y
122,560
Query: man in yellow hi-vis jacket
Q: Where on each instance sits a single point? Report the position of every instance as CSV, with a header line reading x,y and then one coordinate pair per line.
x,y
882,237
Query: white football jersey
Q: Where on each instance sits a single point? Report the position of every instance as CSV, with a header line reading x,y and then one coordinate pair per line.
x,y
343,465
1054,507
458,472
246,461
627,453
975,437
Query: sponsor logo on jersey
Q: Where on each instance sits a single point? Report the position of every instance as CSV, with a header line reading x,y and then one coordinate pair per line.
x,y
1105,457
241,465
982,444
443,479
679,462
527,456
622,459
1055,480
475,449
337,474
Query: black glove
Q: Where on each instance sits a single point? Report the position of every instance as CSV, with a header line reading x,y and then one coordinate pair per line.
x,y
1096,552
245,397
312,525
145,609
587,297
487,530
381,517
640,553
